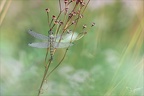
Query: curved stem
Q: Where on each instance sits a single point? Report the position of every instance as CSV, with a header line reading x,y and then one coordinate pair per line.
x,y
57,64
44,77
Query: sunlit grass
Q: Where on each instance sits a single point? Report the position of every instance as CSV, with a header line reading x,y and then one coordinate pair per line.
x,y
3,9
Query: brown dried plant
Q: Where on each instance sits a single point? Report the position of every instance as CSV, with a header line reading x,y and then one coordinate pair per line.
x,y
64,23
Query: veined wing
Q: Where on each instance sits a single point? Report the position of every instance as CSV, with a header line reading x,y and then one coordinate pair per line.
x,y
39,45
42,37
69,37
37,35
46,45
62,44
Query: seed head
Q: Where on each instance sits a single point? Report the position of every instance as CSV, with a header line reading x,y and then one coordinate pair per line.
x,y
79,1
81,16
82,3
93,24
56,22
61,23
47,10
68,31
84,26
70,15
54,17
73,13
65,1
73,22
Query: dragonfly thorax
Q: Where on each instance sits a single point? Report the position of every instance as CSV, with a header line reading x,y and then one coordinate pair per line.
x,y
51,36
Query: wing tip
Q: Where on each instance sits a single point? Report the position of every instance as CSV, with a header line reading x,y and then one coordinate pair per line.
x,y
29,44
30,30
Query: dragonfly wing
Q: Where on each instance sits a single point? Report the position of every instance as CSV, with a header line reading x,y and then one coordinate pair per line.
x,y
37,35
39,45
58,37
68,37
62,44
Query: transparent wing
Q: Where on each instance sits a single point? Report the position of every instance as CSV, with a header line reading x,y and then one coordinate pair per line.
x,y
70,37
65,37
37,35
58,37
62,44
39,45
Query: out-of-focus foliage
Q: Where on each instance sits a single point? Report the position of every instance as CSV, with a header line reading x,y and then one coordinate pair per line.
x,y
108,61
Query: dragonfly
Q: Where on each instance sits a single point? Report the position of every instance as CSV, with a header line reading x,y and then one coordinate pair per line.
x,y
51,41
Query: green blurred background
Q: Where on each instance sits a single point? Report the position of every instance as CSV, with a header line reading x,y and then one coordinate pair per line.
x,y
108,61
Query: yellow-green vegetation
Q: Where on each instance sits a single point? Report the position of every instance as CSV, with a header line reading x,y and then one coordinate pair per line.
x,y
107,61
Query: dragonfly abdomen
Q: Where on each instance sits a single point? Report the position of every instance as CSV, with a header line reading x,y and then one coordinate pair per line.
x,y
51,41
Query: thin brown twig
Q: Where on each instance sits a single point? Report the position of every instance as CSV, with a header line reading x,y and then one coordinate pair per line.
x,y
48,19
44,77
60,5
46,57
85,6
57,64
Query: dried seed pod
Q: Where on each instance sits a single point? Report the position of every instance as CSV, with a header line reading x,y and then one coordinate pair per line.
x,y
61,23
54,17
65,1
73,22
70,15
47,10
84,26
83,3
56,22
93,24
73,13
78,1
81,16
68,31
